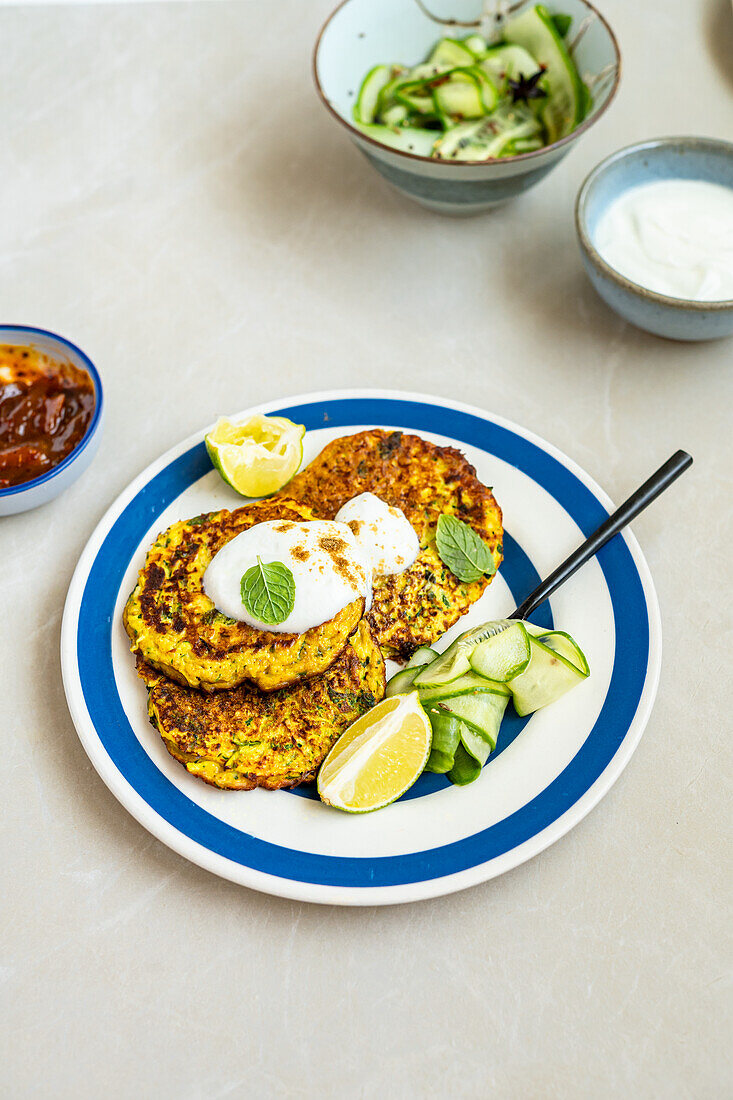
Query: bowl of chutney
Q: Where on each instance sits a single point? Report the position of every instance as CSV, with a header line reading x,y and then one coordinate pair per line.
x,y
50,414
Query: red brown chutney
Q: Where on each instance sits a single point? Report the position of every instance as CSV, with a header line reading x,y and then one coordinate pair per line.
x,y
45,409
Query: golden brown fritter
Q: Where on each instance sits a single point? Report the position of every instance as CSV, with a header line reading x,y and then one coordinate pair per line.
x,y
243,739
416,607
175,627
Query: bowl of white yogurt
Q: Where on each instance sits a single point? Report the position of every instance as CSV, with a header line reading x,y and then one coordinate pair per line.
x,y
655,226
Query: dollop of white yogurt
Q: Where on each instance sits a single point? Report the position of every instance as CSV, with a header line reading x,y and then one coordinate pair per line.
x,y
384,532
329,567
672,236
332,561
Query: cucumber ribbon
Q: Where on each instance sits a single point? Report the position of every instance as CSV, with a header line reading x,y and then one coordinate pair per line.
x,y
465,690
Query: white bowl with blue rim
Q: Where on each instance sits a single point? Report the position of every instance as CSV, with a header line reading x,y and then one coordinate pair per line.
x,y
688,158
363,33
547,771
40,490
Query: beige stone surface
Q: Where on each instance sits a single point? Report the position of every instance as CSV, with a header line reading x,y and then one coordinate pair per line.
x,y
176,201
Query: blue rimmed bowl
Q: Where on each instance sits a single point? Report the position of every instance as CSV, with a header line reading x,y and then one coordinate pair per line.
x,y
362,33
690,158
31,494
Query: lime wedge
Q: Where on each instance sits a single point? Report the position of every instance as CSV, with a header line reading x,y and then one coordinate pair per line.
x,y
256,456
378,757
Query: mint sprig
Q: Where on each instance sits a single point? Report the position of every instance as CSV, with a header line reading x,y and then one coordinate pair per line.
x,y
268,591
464,552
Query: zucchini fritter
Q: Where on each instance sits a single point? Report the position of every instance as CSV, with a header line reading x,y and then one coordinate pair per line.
x,y
416,607
175,627
243,739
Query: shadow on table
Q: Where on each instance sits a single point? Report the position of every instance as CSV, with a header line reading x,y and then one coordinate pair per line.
x,y
305,166
322,192
546,274
718,29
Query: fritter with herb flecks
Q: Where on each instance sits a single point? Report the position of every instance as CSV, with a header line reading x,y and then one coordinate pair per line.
x,y
417,606
243,739
175,627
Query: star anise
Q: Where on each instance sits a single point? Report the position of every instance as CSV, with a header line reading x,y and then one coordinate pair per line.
x,y
526,87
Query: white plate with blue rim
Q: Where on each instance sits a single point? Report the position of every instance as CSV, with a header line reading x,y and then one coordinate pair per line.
x,y
548,771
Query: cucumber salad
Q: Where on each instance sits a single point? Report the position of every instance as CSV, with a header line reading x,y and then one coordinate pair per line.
x,y
466,690
472,100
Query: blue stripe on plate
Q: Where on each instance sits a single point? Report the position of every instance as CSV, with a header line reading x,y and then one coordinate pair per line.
x,y
94,654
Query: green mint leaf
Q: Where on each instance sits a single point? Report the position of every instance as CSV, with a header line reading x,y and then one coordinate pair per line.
x,y
268,591
464,552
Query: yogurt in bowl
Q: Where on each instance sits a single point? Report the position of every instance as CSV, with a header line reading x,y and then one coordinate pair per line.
x,y
672,236
655,228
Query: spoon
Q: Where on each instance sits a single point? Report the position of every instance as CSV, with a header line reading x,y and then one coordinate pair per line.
x,y
630,509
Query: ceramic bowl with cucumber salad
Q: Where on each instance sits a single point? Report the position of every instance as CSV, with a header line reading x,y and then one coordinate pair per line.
x,y
514,695
456,108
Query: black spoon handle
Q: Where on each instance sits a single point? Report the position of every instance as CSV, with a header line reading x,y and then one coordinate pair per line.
x,y
629,510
